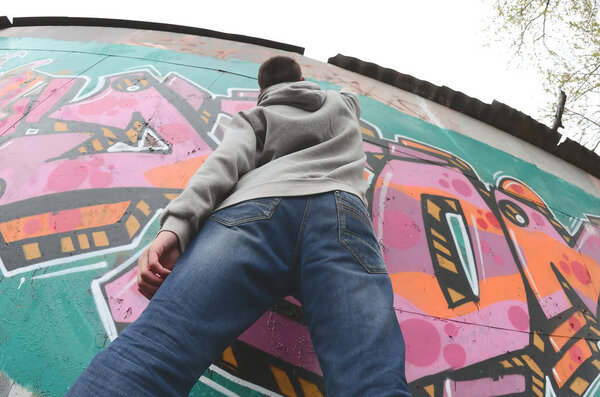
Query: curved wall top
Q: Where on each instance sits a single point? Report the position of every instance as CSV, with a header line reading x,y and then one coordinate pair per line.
x,y
492,244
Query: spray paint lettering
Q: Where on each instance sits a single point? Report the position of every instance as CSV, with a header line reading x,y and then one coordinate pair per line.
x,y
494,291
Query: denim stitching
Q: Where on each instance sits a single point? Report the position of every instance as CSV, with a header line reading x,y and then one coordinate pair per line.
x,y
352,200
355,212
352,206
365,241
301,230
343,243
226,222
366,267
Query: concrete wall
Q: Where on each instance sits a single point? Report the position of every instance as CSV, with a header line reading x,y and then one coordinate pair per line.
x,y
492,245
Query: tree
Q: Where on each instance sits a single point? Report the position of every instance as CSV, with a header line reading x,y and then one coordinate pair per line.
x,y
562,37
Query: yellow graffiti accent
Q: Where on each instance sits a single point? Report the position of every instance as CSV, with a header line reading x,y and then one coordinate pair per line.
x,y
108,133
66,244
229,358
446,264
594,330
579,385
97,145
518,362
133,135
309,388
434,210
100,239
437,235
430,390
532,365
84,243
132,225
455,296
367,131
32,251
538,342
451,204
58,126
440,247
506,364
284,383
143,207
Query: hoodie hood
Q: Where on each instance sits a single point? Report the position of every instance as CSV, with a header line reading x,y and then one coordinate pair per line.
x,y
300,94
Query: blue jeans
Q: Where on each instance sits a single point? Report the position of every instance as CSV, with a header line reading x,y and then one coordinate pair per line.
x,y
246,258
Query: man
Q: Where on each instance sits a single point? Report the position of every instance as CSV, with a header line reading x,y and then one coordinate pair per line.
x,y
287,182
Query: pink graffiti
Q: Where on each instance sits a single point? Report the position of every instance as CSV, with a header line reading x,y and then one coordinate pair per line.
x,y
109,108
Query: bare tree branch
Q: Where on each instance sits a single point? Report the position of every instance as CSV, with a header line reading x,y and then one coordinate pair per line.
x,y
561,38
544,23
596,123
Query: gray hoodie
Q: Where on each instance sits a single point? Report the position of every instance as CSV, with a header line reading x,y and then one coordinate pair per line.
x,y
297,141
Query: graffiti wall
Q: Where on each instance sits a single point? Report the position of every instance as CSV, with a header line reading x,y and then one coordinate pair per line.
x,y
493,251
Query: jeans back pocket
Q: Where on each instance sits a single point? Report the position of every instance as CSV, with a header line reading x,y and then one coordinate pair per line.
x,y
246,211
356,232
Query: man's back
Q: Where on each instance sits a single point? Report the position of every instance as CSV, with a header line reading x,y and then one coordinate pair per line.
x,y
298,140
308,142
291,220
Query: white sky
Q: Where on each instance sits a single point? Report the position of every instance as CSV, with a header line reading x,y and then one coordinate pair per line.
x,y
440,41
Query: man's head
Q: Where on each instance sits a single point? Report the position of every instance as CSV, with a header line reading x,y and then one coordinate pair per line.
x,y
277,70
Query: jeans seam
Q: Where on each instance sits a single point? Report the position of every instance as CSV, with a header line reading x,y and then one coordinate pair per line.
x,y
341,206
360,260
230,223
354,201
301,231
354,211
376,248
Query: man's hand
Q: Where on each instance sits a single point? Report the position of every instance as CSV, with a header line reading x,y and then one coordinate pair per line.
x,y
156,263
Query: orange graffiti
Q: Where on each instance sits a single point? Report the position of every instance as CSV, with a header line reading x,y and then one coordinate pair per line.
x,y
174,175
567,330
538,250
424,291
62,221
519,189
572,359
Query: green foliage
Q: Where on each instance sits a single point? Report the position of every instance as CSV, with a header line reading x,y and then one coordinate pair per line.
x,y
562,37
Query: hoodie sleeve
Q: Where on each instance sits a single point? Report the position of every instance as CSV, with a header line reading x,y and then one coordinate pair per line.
x,y
211,183
352,101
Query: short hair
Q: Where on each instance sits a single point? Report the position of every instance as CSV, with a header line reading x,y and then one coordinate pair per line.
x,y
279,69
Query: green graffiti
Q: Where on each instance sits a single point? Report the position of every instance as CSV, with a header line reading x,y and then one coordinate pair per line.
x,y
463,245
52,327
